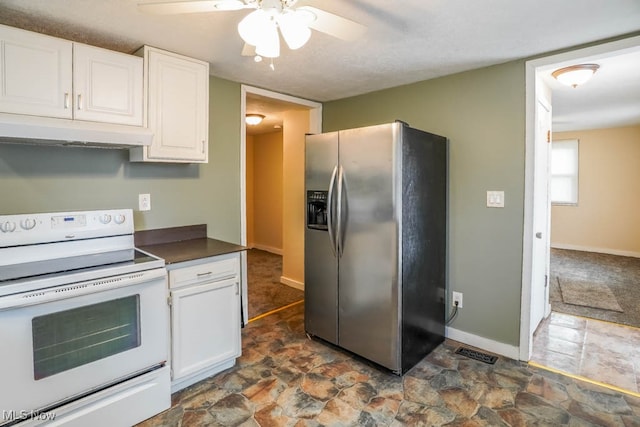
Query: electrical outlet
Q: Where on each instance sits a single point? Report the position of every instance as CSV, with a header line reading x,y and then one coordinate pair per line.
x,y
144,202
457,296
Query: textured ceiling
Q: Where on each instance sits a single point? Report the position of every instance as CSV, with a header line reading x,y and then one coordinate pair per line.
x,y
406,41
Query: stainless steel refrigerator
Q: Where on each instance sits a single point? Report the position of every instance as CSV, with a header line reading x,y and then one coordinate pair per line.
x,y
375,241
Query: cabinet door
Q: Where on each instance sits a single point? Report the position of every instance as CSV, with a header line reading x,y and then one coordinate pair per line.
x,y
35,74
178,107
205,326
107,86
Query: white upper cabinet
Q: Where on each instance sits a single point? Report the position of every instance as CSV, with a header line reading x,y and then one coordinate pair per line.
x,y
107,86
35,74
51,77
177,96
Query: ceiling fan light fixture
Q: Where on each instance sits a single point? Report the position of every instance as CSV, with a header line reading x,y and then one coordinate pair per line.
x,y
575,75
305,16
253,119
253,26
295,31
269,43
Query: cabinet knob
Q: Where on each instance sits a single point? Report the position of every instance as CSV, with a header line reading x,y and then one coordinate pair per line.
x,y
80,101
66,100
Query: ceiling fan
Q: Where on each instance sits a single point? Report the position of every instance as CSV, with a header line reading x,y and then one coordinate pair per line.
x,y
259,29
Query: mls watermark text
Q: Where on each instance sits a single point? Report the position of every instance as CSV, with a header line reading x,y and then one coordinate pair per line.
x,y
13,415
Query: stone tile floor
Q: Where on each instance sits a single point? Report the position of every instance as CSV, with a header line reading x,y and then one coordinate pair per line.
x,y
602,351
285,379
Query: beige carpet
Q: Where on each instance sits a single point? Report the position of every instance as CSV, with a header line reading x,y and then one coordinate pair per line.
x,y
588,293
266,293
620,274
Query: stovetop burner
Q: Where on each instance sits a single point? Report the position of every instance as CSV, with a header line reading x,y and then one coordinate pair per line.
x,y
48,249
64,265
138,261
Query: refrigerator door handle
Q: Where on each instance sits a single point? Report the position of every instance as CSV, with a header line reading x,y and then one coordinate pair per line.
x,y
330,209
340,213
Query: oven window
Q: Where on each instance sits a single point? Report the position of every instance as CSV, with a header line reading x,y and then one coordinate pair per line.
x,y
67,339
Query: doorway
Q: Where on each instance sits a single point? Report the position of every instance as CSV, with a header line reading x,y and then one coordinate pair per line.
x,y
536,86
272,183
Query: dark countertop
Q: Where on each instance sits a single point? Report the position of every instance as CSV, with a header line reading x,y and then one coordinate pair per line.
x,y
179,244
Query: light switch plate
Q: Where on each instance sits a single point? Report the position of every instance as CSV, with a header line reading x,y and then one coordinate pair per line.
x,y
495,199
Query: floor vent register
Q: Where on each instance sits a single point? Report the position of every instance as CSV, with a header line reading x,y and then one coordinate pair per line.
x,y
477,355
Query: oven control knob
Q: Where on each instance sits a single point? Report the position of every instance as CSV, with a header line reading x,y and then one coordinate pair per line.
x,y
28,223
119,219
105,219
8,226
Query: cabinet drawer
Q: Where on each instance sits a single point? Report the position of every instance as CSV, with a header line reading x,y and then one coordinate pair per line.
x,y
205,272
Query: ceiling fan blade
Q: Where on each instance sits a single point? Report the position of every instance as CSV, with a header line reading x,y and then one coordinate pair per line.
x,y
248,50
334,25
171,7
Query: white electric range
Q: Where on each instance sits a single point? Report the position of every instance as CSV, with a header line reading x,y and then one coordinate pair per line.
x,y
84,321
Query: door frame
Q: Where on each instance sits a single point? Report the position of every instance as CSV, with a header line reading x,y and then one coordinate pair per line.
x,y
315,126
533,70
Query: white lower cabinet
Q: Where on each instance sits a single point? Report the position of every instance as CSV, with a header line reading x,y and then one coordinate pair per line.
x,y
205,318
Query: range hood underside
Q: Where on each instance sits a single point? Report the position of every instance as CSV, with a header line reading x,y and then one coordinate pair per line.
x,y
21,129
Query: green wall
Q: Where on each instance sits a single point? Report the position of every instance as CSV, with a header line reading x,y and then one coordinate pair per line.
x,y
49,179
482,112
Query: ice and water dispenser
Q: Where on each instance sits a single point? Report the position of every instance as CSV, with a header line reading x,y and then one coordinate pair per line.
x,y
317,209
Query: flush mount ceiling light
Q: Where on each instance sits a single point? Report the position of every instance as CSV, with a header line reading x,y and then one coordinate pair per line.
x,y
575,75
253,119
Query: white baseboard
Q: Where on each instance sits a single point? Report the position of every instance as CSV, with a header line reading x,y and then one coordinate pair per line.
x,y
482,343
271,249
293,283
598,250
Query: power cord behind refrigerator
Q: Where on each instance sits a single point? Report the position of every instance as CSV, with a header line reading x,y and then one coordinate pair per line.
x,y
453,314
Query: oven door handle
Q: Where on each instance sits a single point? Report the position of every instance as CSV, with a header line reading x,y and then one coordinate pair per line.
x,y
56,293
